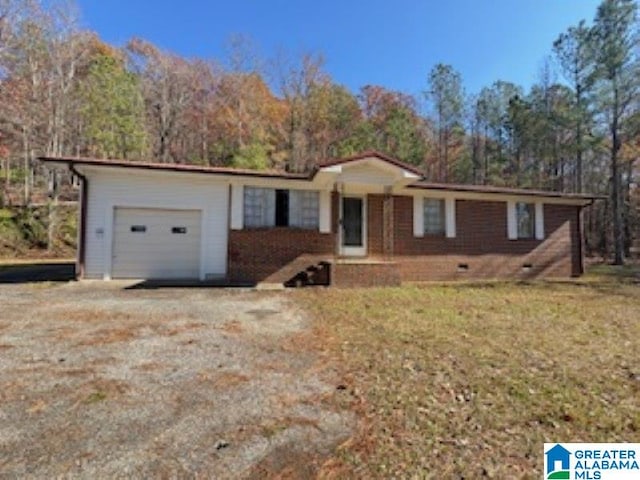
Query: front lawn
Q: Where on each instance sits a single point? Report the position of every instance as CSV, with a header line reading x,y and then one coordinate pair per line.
x,y
468,381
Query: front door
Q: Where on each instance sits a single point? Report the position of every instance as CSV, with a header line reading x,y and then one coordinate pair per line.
x,y
353,226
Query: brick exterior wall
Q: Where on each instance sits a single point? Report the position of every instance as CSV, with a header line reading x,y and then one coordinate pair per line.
x,y
481,244
275,254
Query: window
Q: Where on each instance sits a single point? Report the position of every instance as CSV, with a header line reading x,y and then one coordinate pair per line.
x,y
433,216
179,230
138,228
304,209
525,219
267,207
259,207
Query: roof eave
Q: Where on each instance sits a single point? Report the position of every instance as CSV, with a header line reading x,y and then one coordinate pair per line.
x,y
68,161
588,198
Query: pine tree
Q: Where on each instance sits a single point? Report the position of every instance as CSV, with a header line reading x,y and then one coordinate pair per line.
x,y
616,45
113,110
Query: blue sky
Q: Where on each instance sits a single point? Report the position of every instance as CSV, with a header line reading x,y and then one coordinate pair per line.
x,y
393,43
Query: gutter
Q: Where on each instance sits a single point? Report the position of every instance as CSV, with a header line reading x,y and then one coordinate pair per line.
x,y
82,234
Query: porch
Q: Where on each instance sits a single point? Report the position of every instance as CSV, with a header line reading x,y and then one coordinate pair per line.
x,y
359,250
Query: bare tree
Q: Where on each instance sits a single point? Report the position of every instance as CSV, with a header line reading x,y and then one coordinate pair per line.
x,y
167,85
295,80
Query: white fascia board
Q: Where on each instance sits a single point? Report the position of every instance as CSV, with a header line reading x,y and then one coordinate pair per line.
x,y
492,197
331,169
512,220
410,175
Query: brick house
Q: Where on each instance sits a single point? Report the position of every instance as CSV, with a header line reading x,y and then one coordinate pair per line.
x,y
363,220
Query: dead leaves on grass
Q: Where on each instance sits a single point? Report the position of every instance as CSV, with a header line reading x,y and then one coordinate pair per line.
x,y
37,407
110,335
225,379
453,377
188,327
233,326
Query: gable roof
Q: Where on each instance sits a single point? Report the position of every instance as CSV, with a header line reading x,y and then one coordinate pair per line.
x,y
418,184
371,154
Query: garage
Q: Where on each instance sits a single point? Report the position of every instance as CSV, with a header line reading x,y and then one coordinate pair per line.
x,y
156,243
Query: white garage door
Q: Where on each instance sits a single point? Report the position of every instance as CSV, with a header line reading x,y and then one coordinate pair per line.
x,y
153,243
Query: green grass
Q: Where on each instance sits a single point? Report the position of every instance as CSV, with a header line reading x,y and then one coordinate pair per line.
x,y
470,380
24,232
622,273
95,397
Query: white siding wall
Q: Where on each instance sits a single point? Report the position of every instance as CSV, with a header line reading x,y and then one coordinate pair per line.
x,y
367,175
155,190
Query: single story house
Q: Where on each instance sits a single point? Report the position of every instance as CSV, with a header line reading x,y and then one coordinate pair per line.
x,y
363,220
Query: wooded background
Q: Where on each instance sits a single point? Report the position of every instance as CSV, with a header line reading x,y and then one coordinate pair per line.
x,y
64,91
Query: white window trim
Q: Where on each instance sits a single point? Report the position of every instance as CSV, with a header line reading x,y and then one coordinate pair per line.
x,y
450,217
539,209
418,217
325,211
512,220
237,207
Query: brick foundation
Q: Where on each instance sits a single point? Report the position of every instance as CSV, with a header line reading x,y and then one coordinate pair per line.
x,y
367,274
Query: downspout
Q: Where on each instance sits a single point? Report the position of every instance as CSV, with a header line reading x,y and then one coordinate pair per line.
x,y
82,233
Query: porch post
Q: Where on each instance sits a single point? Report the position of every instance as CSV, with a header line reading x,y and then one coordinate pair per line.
x,y
387,223
335,218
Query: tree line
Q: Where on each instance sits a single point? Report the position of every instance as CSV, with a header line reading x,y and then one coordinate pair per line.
x,y
64,91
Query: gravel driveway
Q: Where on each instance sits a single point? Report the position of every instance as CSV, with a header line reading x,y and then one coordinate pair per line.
x,y
99,381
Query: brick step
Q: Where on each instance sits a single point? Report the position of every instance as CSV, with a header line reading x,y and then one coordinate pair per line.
x,y
365,273
317,274
304,270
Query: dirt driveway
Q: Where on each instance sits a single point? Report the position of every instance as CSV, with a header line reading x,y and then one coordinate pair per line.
x,y
98,381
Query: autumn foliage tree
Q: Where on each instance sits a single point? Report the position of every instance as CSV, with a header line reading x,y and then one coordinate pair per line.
x,y
65,92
